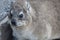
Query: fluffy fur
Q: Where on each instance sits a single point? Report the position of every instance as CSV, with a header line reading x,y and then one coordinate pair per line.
x,y
39,22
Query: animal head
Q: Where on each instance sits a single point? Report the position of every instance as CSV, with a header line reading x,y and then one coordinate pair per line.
x,y
19,15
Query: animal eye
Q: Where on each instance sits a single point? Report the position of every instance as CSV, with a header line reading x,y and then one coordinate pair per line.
x,y
21,16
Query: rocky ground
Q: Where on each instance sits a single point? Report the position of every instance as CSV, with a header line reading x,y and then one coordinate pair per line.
x,y
4,4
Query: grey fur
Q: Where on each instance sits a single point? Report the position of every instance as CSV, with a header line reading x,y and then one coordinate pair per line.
x,y
41,21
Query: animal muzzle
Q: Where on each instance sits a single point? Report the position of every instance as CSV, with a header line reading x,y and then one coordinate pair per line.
x,y
13,22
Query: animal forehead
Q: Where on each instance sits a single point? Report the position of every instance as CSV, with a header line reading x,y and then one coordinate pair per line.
x,y
17,5
17,8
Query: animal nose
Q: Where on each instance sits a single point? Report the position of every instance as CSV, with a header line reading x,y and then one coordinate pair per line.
x,y
13,22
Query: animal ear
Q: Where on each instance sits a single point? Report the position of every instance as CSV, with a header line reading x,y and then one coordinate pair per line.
x,y
10,15
10,11
27,6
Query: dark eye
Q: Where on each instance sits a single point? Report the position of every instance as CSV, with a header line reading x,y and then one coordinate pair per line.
x,y
21,16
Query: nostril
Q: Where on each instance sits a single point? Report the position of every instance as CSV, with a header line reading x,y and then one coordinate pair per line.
x,y
13,22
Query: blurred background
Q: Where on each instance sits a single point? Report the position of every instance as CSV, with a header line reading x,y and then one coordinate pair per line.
x,y
4,4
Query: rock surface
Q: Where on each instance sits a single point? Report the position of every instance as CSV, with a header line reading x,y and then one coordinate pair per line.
x,y
4,6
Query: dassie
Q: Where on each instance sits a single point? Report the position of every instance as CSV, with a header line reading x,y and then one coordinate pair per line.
x,y
34,20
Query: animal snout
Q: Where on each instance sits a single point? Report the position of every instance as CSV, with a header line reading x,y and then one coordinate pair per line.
x,y
13,22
